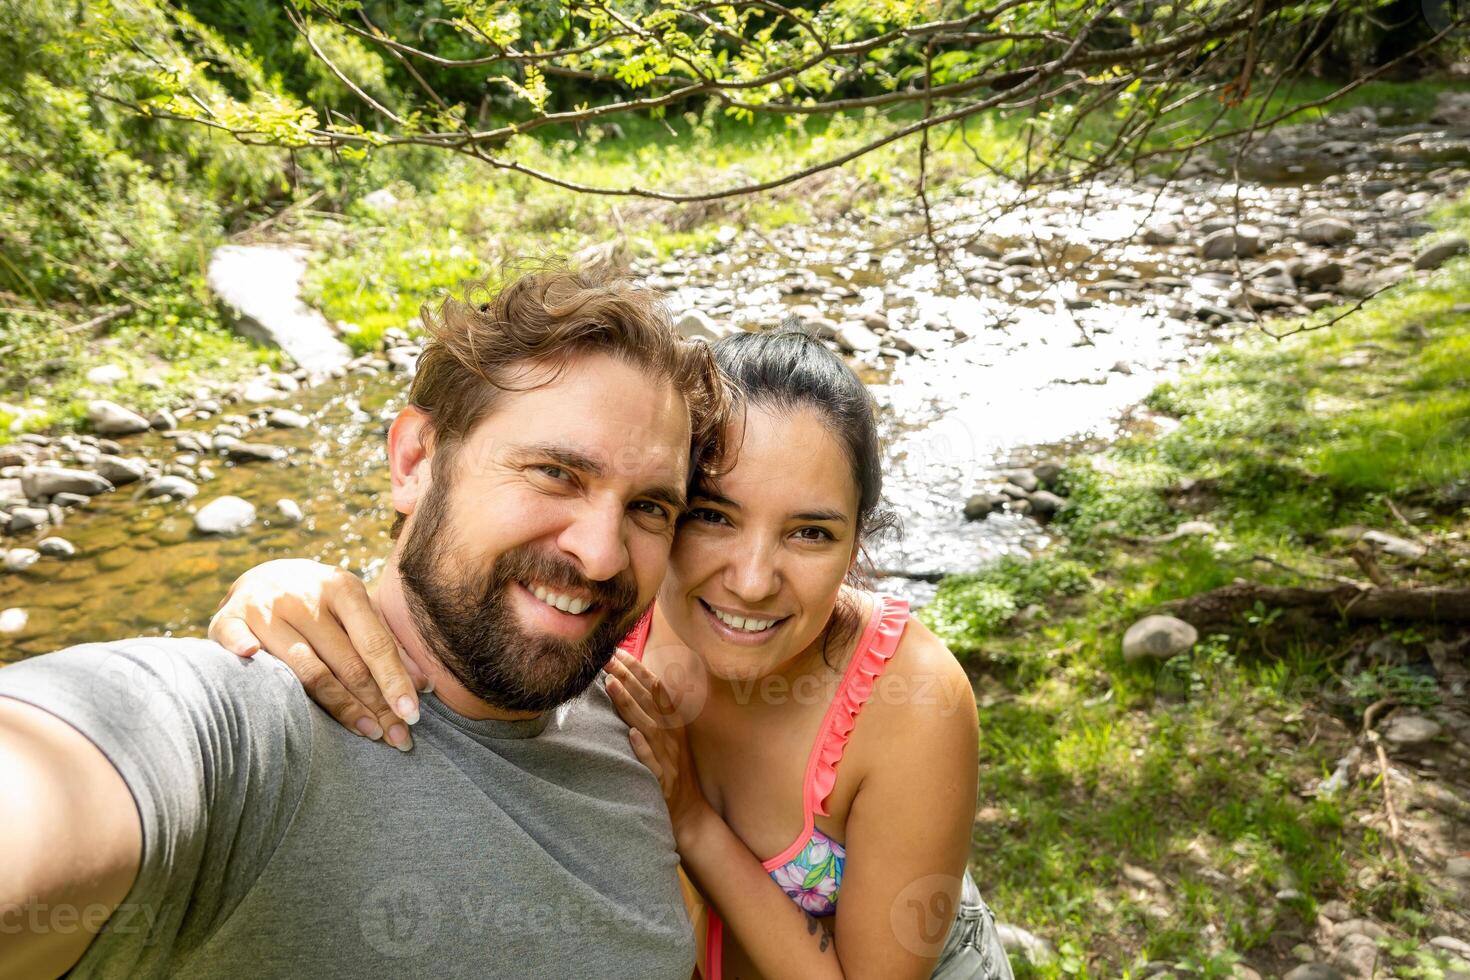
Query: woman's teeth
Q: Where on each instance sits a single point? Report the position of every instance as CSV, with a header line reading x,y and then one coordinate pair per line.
x,y
565,603
742,623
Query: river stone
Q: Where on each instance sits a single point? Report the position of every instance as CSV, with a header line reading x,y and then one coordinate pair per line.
x,y
106,374
1021,256
1315,971
120,470
13,620
1158,637
1317,301
1392,544
1048,472
171,486
1324,273
45,481
19,559
1025,479
1044,503
261,284
65,499
249,452
284,418
258,390
981,504
27,518
1325,231
56,547
225,515
163,419
17,454
697,324
1015,940
111,419
854,336
1406,730
290,510
1242,241
1438,253
405,359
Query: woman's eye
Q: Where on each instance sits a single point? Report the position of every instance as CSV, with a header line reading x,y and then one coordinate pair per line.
x,y
814,534
706,516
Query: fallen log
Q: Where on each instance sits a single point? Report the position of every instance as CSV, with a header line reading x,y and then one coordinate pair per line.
x,y
1227,603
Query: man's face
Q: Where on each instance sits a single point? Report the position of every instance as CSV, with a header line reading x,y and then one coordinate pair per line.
x,y
538,546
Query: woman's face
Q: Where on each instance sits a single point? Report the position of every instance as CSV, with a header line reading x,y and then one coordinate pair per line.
x,y
759,560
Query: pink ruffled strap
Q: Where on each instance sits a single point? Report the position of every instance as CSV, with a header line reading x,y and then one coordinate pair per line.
x,y
875,648
637,637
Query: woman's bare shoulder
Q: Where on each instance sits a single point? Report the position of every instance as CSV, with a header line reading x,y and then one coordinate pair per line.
x,y
924,688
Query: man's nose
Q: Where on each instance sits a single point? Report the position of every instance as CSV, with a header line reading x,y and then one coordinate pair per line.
x,y
596,540
752,573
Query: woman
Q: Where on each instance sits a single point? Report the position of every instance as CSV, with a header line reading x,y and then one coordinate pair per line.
x,y
824,847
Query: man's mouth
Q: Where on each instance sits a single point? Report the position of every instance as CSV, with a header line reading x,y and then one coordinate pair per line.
x,y
743,624
561,601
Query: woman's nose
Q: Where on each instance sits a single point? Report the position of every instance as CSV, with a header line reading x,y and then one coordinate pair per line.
x,y
752,573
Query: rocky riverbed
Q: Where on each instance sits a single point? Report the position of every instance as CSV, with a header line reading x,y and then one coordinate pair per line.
x,y
1039,322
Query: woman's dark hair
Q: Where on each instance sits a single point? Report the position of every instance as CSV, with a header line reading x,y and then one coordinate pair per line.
x,y
788,369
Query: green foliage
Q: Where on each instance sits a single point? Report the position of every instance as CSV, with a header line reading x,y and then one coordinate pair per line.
x,y
969,608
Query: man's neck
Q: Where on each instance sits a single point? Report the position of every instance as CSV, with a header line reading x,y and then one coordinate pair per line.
x,y
392,603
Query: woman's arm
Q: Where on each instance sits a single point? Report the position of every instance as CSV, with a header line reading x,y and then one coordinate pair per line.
x,y
321,622
908,835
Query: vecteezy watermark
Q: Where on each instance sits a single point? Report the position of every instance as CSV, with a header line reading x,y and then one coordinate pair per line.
x,y
35,917
402,916
922,914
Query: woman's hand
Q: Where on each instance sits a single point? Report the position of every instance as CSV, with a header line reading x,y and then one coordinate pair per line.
x,y
321,623
659,739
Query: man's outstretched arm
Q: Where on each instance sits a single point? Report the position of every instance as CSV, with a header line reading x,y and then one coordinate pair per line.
x,y
73,842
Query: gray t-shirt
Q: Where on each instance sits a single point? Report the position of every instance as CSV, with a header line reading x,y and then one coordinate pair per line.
x,y
276,843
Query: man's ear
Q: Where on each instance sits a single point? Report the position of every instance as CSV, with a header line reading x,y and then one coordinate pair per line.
x,y
410,458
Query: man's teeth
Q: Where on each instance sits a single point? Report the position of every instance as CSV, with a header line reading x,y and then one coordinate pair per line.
x,y
565,603
741,622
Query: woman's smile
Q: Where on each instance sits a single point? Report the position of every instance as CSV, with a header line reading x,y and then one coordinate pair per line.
x,y
741,628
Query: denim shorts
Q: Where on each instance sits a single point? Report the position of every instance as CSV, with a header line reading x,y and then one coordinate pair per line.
x,y
972,951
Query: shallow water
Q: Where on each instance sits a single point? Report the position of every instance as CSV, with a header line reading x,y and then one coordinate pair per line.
x,y
1006,359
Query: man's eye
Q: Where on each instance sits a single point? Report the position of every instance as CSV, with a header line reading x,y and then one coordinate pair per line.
x,y
554,472
651,509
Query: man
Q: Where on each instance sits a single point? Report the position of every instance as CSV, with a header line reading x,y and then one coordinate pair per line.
x,y
171,809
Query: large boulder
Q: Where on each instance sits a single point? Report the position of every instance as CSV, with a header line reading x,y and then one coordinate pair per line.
x,y
45,481
111,419
261,286
1158,638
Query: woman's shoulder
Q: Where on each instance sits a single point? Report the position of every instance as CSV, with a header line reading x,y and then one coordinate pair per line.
x,y
922,681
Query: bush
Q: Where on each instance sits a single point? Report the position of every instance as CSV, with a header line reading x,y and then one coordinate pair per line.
x,y
968,608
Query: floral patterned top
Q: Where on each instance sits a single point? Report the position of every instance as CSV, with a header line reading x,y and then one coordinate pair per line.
x,y
810,870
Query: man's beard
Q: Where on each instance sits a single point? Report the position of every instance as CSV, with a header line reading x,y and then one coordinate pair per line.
x,y
469,624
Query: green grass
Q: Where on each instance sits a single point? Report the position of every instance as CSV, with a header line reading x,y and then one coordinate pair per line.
x,y
1193,770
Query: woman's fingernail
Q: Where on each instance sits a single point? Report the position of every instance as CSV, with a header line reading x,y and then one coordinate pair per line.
x,y
369,728
408,710
399,739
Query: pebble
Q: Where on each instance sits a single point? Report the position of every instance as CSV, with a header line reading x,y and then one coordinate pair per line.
x,y
112,419
981,504
26,518
225,515
47,481
19,559
1242,241
1406,730
290,510
65,499
1158,638
120,470
163,419
1315,971
1044,503
13,620
54,547
1438,253
1326,231
285,418
171,486
251,452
